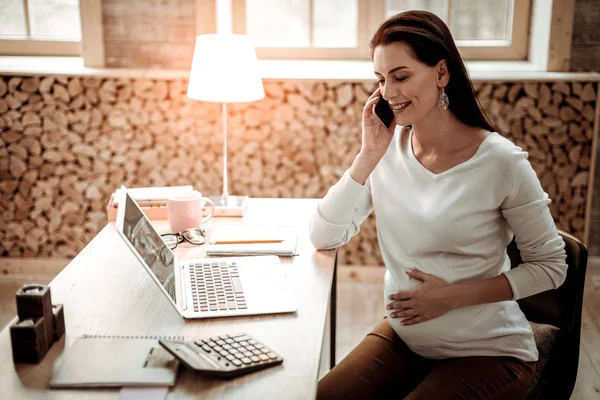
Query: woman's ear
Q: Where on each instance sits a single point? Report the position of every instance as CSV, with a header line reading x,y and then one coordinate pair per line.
x,y
442,73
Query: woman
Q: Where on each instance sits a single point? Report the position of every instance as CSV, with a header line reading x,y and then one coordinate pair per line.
x,y
449,193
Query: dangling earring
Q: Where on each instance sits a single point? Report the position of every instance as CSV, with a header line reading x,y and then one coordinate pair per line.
x,y
443,100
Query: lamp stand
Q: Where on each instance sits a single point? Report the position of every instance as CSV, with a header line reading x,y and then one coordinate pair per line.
x,y
226,205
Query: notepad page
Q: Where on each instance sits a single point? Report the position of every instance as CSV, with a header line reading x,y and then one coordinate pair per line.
x,y
247,232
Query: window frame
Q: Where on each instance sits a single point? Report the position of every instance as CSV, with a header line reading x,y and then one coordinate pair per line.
x,y
372,13
366,24
27,46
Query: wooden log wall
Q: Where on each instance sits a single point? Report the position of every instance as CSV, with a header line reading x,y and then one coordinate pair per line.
x,y
66,143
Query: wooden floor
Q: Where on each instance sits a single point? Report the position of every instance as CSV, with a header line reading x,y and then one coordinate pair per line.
x,y
360,308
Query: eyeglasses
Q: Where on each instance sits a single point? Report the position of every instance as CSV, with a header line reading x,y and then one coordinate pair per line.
x,y
194,236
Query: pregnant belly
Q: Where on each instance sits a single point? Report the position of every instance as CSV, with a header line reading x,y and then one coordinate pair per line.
x,y
427,338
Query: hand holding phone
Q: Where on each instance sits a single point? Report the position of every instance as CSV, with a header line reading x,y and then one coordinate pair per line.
x,y
384,112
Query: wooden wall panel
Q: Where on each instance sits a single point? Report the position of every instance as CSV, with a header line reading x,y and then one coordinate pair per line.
x,y
149,34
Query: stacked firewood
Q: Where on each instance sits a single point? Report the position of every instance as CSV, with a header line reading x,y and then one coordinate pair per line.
x,y
66,143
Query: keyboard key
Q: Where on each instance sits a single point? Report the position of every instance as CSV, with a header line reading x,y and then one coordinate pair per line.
x,y
246,360
263,357
272,356
256,352
247,354
227,346
230,357
236,362
237,285
220,342
255,359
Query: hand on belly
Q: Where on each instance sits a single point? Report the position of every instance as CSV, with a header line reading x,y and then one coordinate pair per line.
x,y
425,300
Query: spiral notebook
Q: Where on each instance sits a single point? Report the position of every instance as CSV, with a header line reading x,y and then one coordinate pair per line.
x,y
116,361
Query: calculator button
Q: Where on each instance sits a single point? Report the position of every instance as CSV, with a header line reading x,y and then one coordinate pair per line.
x,y
256,352
236,362
211,343
217,348
243,337
235,345
247,354
252,341
255,359
237,335
230,357
220,342
263,357
229,340
243,343
246,360
206,348
227,346
272,356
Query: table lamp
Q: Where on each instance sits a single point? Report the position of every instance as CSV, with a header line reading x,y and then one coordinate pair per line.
x,y
225,70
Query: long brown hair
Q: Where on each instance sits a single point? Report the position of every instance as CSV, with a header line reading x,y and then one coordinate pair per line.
x,y
430,41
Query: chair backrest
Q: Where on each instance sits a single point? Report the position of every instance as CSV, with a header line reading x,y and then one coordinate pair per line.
x,y
560,307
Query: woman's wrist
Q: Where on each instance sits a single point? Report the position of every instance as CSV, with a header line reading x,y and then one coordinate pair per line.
x,y
490,290
362,166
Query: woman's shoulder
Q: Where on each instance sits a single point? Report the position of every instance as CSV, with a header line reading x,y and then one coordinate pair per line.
x,y
504,150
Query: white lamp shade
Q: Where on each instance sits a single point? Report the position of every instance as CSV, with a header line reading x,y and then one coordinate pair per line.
x,y
225,70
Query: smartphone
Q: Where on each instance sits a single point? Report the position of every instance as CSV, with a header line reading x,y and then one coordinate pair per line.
x,y
384,112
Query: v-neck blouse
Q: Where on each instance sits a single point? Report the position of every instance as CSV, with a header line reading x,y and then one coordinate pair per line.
x,y
455,225
412,156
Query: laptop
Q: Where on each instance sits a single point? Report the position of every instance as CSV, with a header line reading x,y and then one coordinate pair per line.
x,y
206,287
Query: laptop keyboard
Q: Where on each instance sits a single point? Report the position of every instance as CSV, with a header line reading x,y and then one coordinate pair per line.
x,y
216,286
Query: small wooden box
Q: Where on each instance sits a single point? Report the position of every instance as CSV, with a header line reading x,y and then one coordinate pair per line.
x,y
153,213
34,301
58,321
28,340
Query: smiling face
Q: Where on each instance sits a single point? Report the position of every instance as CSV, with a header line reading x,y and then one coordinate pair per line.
x,y
411,87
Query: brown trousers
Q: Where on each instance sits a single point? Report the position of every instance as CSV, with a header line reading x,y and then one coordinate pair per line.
x,y
383,367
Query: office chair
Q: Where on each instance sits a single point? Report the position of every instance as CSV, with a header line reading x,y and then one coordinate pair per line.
x,y
555,316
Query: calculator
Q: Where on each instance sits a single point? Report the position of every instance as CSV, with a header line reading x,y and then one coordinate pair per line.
x,y
225,356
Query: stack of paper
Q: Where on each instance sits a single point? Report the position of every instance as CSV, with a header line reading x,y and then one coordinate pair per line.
x,y
238,240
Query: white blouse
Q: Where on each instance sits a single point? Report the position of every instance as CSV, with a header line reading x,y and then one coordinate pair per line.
x,y
455,225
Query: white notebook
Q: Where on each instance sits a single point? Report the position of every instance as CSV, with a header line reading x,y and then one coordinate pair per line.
x,y
249,240
116,361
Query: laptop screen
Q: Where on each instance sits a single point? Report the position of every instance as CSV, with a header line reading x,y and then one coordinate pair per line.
x,y
147,242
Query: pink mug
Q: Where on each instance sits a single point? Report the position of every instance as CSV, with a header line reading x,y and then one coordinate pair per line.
x,y
186,211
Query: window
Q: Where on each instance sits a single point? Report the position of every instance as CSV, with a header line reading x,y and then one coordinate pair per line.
x,y
340,29
40,27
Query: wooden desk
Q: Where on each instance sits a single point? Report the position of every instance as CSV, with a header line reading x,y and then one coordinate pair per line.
x,y
106,291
